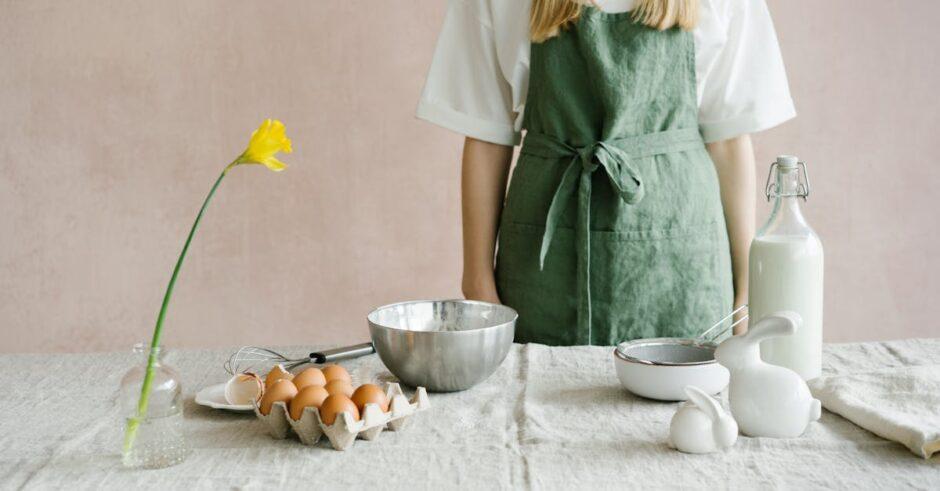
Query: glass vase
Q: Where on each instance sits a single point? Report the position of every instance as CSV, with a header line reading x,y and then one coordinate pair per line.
x,y
157,440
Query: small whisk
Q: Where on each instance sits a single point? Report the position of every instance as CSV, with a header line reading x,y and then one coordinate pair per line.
x,y
260,360
713,337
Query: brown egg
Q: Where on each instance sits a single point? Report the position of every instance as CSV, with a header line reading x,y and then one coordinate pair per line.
x,y
276,374
336,404
308,377
311,396
339,387
369,394
336,372
281,390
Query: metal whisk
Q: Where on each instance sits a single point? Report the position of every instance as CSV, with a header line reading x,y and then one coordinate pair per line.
x,y
260,360
712,337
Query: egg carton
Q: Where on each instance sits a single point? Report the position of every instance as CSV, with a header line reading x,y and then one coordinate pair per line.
x,y
343,432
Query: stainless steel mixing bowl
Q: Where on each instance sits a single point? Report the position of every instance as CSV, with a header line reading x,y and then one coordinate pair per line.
x,y
442,345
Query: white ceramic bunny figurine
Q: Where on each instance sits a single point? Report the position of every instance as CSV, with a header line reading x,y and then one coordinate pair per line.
x,y
766,400
700,425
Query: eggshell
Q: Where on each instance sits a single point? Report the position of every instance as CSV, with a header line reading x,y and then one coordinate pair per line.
x,y
281,390
336,372
308,377
336,404
276,374
370,394
310,396
243,388
339,387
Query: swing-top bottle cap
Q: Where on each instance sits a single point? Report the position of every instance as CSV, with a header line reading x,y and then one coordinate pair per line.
x,y
787,161
787,165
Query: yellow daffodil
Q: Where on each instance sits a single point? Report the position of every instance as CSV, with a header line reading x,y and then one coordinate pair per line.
x,y
265,143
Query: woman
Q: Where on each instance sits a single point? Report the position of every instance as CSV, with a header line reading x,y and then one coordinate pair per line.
x,y
631,207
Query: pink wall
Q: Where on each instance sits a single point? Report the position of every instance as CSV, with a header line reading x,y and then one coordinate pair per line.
x,y
116,116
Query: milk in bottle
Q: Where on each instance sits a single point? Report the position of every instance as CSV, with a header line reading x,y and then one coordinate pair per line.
x,y
786,271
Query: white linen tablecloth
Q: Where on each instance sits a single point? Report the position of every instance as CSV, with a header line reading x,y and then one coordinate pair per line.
x,y
548,418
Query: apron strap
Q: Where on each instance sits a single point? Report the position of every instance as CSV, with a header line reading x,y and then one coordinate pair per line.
x,y
615,157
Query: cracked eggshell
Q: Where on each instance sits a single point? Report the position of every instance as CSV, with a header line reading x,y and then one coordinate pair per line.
x,y
244,389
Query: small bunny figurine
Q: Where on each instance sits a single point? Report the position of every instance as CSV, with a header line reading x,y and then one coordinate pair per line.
x,y
766,400
700,425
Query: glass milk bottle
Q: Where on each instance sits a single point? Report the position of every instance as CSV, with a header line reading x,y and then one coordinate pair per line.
x,y
786,271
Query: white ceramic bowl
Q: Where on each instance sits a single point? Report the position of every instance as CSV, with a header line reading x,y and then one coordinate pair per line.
x,y
660,368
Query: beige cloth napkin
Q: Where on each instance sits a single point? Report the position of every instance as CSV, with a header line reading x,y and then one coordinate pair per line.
x,y
900,404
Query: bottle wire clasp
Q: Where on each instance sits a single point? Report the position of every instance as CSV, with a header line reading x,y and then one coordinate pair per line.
x,y
803,187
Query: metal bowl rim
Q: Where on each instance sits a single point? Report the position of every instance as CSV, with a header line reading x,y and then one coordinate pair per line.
x,y
618,351
510,322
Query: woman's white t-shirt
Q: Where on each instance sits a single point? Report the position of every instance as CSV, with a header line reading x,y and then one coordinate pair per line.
x,y
479,76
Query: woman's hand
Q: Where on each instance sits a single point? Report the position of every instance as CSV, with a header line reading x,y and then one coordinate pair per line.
x,y
484,174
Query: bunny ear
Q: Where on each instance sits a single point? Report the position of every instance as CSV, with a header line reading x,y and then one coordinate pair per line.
x,y
774,325
704,402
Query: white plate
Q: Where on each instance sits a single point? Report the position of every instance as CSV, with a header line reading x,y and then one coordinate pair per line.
x,y
214,396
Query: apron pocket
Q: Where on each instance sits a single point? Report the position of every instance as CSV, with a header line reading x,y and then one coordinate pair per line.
x,y
547,300
645,283
672,283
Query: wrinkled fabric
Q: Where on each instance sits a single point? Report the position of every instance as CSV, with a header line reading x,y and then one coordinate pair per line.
x,y
548,418
900,403
613,227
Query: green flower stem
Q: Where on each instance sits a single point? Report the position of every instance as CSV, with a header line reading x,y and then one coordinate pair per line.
x,y
130,432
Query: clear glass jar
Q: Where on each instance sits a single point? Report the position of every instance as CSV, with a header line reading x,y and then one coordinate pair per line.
x,y
158,440
786,271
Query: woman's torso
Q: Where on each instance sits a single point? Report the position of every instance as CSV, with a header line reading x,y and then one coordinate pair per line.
x,y
614,184
509,21
479,79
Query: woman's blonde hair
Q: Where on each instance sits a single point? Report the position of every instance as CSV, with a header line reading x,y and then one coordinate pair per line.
x,y
549,16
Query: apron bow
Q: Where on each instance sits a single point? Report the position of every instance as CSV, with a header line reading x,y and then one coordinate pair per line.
x,y
623,177
616,158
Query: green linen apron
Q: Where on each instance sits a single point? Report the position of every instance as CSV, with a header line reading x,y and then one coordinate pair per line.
x,y
613,227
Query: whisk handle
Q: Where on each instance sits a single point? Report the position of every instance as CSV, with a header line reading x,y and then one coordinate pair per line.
x,y
344,353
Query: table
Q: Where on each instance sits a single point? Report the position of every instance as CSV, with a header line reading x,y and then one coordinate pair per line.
x,y
548,418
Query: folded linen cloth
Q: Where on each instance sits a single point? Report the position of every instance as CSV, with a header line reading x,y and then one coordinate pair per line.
x,y
900,404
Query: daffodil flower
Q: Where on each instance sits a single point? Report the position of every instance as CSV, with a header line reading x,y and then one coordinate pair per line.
x,y
263,147
265,143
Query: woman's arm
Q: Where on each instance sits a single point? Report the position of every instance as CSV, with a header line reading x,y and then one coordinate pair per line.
x,y
483,187
734,161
